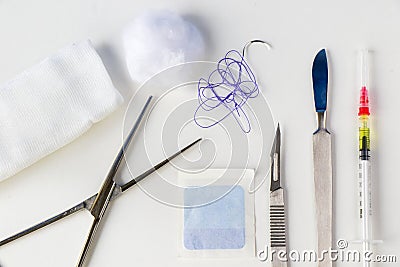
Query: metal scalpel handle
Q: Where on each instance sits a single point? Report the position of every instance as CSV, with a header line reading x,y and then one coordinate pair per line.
x,y
322,157
278,227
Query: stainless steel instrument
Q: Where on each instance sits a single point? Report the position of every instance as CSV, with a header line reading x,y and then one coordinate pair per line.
x,y
103,198
277,205
87,204
322,157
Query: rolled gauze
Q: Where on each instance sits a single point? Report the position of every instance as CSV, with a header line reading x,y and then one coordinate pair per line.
x,y
51,104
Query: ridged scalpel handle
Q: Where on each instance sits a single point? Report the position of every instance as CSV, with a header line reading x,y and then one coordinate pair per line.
x,y
277,226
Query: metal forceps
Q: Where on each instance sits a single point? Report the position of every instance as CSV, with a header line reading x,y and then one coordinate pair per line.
x,y
277,206
110,190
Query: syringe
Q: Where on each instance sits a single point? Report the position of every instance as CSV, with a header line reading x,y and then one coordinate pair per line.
x,y
364,166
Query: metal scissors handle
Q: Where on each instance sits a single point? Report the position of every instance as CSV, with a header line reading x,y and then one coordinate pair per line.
x,y
87,204
103,198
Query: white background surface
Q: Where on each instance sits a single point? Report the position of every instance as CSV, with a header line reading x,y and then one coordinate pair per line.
x,y
142,232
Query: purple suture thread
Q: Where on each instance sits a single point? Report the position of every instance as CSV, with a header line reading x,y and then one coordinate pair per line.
x,y
228,87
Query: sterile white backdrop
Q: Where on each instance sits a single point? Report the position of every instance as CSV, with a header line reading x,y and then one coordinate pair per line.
x,y
139,231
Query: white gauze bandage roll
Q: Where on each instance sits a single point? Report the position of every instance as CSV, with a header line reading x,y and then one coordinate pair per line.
x,y
51,104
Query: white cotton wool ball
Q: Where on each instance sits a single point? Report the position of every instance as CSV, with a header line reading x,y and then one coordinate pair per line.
x,y
158,40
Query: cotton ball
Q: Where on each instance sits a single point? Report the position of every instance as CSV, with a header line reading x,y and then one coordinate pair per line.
x,y
158,40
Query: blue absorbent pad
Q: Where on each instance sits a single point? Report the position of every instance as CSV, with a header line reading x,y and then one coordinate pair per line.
x,y
218,225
